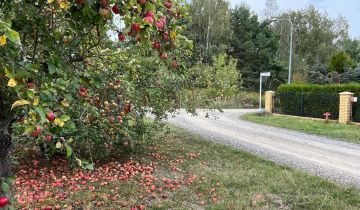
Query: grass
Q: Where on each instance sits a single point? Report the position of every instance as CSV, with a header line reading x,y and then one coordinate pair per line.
x,y
238,180
250,182
349,133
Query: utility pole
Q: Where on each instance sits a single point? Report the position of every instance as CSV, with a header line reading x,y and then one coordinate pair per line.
x,y
291,43
207,41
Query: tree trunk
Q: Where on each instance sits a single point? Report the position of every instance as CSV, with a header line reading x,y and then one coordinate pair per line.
x,y
5,147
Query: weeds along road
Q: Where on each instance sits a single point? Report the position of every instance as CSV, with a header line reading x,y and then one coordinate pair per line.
x,y
325,157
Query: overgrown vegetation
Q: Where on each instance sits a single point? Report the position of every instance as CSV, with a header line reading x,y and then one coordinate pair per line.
x,y
213,98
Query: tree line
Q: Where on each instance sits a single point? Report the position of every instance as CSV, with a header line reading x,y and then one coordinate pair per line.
x,y
323,51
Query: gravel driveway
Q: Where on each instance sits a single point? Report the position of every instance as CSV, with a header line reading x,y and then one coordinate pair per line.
x,y
328,158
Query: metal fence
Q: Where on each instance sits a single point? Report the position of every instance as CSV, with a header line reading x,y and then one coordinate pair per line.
x,y
356,112
308,105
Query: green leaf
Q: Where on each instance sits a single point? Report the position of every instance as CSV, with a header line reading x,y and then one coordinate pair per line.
x,y
69,141
52,69
12,208
69,151
13,36
29,129
68,97
10,179
65,118
30,93
5,187
89,166
71,125
41,113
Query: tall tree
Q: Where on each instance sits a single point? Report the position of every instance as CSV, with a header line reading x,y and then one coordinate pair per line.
x,y
254,44
316,37
271,9
210,28
352,48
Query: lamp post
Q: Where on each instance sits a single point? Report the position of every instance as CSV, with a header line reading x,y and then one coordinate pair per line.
x,y
263,74
291,43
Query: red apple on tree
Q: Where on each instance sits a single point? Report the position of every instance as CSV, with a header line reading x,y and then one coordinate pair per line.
x,y
37,131
136,27
168,4
142,1
159,25
4,201
30,85
121,37
156,45
116,9
174,65
82,89
51,116
48,138
149,20
166,36
149,13
163,20
163,55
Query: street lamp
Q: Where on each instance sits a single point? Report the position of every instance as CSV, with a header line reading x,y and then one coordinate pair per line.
x,y
263,74
291,42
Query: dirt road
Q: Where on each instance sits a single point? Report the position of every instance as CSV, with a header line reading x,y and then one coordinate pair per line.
x,y
325,157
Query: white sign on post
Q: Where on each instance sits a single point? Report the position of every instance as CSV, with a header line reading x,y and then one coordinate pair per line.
x,y
263,74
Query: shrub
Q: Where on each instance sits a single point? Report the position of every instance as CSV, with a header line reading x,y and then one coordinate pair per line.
x,y
213,98
317,99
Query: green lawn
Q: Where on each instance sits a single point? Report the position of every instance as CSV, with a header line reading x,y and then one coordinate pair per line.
x,y
248,181
349,133
221,178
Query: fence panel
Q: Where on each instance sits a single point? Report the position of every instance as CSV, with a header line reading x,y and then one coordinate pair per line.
x,y
307,105
356,111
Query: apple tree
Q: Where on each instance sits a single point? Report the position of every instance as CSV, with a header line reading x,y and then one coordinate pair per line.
x,y
66,86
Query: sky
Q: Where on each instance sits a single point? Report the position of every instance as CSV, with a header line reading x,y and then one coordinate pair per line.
x,y
348,8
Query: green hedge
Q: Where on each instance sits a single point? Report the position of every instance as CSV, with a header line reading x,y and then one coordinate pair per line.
x,y
317,99
330,89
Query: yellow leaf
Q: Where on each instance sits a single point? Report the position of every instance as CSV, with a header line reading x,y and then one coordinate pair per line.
x,y
19,103
33,115
58,145
65,103
2,40
64,5
59,122
79,162
50,1
36,101
12,82
173,35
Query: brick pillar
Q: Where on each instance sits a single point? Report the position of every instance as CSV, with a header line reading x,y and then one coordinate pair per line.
x,y
345,107
269,101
